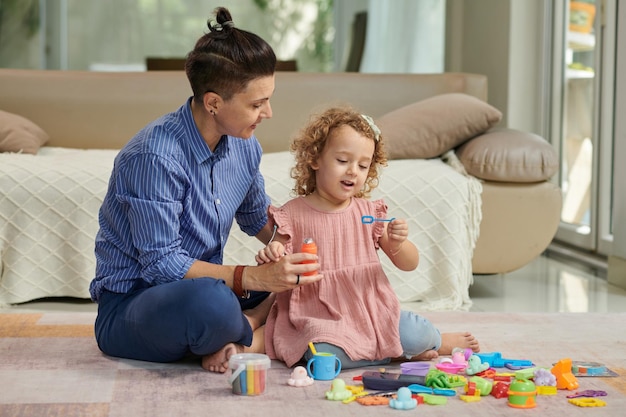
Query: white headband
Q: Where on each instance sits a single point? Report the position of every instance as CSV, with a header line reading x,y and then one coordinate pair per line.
x,y
373,126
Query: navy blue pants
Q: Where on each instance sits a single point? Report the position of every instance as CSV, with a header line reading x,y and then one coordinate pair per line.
x,y
169,322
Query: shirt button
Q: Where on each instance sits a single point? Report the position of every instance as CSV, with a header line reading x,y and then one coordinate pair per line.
x,y
217,201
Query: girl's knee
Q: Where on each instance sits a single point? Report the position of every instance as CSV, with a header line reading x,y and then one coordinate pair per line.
x,y
417,334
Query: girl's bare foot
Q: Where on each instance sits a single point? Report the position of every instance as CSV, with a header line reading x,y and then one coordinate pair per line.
x,y
218,361
428,355
256,316
462,340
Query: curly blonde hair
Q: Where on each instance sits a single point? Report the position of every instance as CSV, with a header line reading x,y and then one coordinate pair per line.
x,y
309,144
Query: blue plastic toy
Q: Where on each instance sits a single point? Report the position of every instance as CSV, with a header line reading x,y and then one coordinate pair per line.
x,y
495,360
403,400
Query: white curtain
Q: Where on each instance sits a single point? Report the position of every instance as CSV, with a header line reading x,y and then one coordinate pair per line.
x,y
405,36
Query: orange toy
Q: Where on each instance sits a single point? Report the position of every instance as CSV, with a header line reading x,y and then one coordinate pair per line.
x,y
565,379
309,246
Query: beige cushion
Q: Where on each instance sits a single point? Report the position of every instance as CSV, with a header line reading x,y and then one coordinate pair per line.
x,y
510,156
18,134
431,127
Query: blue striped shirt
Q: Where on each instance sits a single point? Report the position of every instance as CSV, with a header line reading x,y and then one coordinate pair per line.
x,y
171,201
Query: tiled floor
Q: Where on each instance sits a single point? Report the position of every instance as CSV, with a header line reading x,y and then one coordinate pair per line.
x,y
545,285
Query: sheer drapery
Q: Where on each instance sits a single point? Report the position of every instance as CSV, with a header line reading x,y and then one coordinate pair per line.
x,y
405,36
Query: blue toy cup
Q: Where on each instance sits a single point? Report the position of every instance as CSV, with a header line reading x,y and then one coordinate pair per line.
x,y
324,366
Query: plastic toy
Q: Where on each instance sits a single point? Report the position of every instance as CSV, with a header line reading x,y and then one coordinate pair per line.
x,y
500,389
461,355
588,393
475,365
526,373
372,219
522,394
415,368
546,390
357,391
309,246
403,400
338,391
562,370
470,388
249,373
543,377
437,379
389,380
451,368
487,373
587,402
421,389
299,377
482,384
373,400
434,399
588,368
470,398
495,360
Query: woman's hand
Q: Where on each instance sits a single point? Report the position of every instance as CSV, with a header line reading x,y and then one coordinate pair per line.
x,y
284,274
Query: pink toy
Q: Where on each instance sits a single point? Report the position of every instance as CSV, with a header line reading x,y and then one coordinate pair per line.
x,y
461,355
299,377
451,368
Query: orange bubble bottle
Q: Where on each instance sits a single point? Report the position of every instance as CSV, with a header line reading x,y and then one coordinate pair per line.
x,y
309,246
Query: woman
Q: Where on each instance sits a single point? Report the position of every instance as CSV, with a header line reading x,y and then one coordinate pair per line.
x,y
175,189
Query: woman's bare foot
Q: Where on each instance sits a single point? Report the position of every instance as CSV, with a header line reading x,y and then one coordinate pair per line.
x,y
462,340
218,361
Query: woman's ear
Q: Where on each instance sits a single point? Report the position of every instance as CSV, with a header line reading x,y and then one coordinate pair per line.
x,y
211,102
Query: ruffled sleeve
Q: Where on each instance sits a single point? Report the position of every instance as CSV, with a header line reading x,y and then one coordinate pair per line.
x,y
280,217
380,208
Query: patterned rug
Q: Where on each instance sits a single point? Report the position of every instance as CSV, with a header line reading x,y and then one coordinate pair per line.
x,y
50,365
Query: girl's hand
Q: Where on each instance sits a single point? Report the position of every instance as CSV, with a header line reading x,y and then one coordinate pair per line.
x,y
402,252
397,233
270,253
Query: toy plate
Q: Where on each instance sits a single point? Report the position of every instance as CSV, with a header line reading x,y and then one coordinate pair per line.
x,y
451,368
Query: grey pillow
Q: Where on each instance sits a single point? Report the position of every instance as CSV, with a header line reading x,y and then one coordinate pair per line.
x,y
431,127
18,134
509,155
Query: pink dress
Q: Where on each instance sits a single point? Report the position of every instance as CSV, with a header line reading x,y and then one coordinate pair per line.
x,y
354,306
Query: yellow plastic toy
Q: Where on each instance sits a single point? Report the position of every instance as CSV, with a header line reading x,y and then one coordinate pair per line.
x,y
587,402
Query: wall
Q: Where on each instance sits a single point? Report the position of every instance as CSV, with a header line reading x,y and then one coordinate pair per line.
x,y
502,39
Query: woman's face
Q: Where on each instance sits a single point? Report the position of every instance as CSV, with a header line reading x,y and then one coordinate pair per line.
x,y
343,165
240,115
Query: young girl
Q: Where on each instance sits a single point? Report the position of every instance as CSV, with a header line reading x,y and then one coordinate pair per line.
x,y
353,311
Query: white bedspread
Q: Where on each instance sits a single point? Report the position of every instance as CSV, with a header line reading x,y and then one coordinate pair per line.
x,y
49,206
48,221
